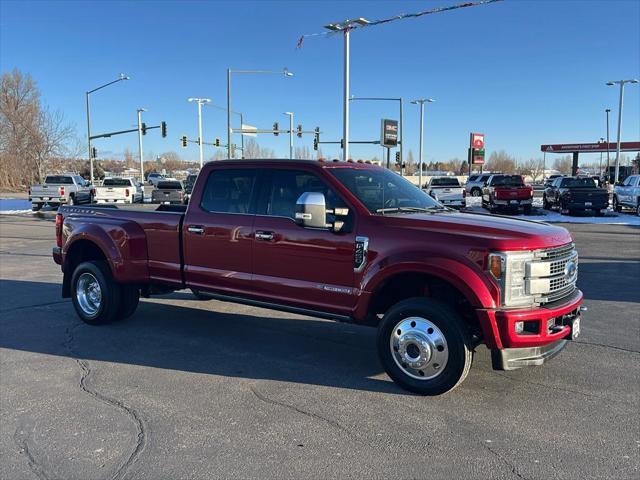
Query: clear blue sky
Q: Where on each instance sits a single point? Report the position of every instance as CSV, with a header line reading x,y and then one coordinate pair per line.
x,y
522,72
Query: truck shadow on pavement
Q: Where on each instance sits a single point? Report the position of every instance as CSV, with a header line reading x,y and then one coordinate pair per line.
x,y
205,339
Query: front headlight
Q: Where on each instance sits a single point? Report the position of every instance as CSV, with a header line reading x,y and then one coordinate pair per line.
x,y
509,269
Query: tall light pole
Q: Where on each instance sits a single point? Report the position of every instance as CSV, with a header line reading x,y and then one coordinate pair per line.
x,y
89,92
200,102
345,27
140,110
401,122
284,72
421,102
241,123
608,161
620,105
290,115
600,165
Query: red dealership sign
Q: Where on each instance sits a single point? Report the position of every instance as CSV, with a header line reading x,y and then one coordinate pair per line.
x,y
477,141
590,147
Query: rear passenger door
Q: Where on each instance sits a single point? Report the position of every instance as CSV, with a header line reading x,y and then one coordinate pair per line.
x,y
308,267
218,232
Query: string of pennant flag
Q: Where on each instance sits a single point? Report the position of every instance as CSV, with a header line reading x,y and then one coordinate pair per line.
x,y
401,16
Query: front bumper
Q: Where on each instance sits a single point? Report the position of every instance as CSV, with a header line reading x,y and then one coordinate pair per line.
x,y
514,358
551,323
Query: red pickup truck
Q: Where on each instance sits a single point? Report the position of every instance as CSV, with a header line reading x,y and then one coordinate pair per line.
x,y
348,241
507,192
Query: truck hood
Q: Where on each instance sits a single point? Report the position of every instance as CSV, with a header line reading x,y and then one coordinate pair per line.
x,y
482,230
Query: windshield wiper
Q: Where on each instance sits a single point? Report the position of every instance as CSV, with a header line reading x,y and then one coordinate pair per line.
x,y
409,209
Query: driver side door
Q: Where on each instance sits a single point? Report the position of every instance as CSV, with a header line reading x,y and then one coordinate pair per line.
x,y
307,267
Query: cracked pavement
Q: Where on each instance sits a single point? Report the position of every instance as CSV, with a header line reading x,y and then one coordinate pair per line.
x,y
205,389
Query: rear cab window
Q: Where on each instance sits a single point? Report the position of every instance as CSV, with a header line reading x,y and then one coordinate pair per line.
x,y
59,179
445,182
171,185
116,182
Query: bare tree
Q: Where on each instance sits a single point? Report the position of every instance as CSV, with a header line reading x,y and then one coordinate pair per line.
x,y
501,162
30,135
533,168
563,164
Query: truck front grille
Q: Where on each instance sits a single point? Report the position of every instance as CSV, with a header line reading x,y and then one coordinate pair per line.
x,y
552,276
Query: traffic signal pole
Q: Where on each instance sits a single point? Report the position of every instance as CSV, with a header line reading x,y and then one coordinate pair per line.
x,y
140,152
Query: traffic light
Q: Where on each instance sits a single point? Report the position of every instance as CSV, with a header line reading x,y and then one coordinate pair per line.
x,y
276,129
143,127
94,152
184,141
397,158
299,131
216,142
163,129
316,138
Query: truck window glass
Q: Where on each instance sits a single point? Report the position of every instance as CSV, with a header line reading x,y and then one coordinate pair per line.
x,y
445,182
59,179
228,191
116,182
380,188
287,185
578,183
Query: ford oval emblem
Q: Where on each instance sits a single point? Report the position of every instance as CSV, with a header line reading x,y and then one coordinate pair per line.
x,y
570,270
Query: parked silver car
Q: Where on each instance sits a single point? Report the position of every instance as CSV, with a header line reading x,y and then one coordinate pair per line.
x,y
627,194
476,183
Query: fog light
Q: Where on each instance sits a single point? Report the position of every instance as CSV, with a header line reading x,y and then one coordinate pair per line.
x,y
519,327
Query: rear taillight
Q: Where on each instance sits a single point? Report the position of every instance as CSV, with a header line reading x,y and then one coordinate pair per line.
x,y
61,191
126,192
93,192
59,220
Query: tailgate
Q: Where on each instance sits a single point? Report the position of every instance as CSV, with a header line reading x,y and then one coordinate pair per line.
x,y
513,193
45,191
448,193
110,193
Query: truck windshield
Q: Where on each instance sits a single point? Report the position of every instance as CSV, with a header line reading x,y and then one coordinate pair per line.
x,y
508,181
382,191
445,182
578,183
116,182
59,179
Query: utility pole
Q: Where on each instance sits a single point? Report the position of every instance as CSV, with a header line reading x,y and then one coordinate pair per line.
x,y
608,161
290,115
421,102
620,106
140,152
200,102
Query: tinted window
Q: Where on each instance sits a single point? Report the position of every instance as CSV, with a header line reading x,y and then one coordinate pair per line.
x,y
473,178
60,179
228,191
507,181
445,182
169,185
380,189
578,183
285,187
116,182
484,178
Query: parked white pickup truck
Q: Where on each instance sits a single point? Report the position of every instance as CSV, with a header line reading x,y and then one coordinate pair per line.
x,y
119,190
64,189
627,194
448,191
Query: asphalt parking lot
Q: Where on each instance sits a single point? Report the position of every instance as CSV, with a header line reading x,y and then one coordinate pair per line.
x,y
191,389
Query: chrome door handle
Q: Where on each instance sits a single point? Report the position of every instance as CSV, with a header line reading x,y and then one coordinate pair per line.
x,y
196,229
267,236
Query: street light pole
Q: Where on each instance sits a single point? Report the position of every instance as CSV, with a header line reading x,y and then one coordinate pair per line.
x,y
608,161
421,102
600,165
87,93
284,72
140,152
290,115
620,106
200,102
345,28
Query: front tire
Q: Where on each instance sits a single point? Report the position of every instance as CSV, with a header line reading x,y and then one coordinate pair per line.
x,y
424,347
476,192
95,294
616,205
545,204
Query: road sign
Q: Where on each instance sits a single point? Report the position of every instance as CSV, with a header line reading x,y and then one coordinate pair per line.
x,y
249,130
389,133
477,141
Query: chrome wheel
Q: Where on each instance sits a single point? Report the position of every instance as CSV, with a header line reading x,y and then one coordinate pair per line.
x,y
88,294
475,193
419,348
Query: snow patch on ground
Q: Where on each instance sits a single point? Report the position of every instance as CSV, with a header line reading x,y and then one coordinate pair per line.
x,y
14,206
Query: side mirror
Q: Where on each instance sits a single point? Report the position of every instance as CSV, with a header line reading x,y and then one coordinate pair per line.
x,y
311,210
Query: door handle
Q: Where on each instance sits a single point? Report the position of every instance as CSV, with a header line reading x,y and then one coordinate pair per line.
x,y
266,236
197,229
